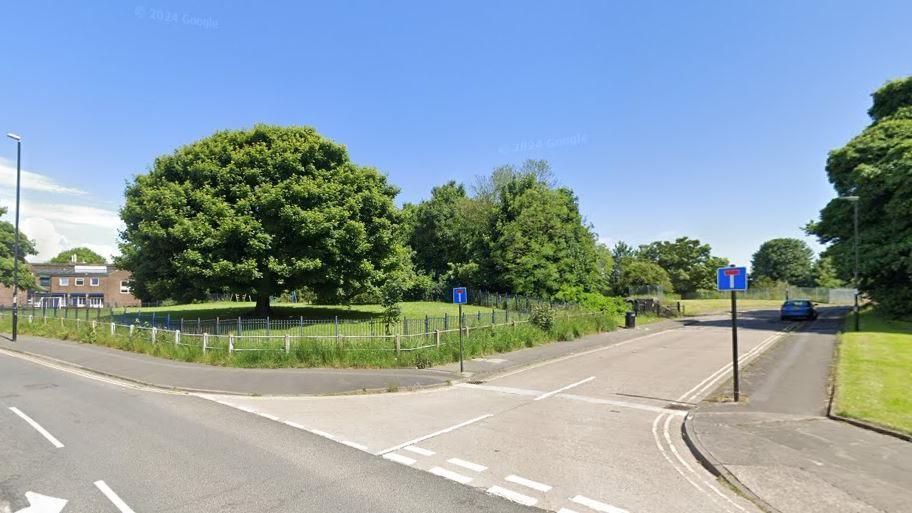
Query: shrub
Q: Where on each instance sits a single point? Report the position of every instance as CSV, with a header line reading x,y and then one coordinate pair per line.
x,y
542,316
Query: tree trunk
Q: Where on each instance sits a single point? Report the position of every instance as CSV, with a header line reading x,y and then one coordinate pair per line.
x,y
262,305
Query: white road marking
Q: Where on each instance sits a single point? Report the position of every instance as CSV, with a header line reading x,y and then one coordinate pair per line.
x,y
475,467
452,476
39,503
44,432
504,390
489,360
561,389
418,450
623,404
358,446
596,505
437,433
398,458
576,355
513,496
535,485
115,500
295,425
566,510
694,392
324,434
268,416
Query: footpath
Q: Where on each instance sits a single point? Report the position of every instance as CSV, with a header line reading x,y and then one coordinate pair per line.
x,y
170,374
779,448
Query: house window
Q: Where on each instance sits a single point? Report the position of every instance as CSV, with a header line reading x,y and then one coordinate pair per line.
x,y
44,281
125,287
80,282
94,281
63,282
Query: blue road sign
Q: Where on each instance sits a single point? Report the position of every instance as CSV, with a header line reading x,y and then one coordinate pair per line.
x,y
460,296
732,278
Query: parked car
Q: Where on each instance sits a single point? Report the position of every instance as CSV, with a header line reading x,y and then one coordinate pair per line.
x,y
800,309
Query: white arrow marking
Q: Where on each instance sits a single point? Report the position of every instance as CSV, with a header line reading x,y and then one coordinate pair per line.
x,y
42,504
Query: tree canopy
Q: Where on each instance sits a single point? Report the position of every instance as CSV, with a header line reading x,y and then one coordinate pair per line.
x,y
785,259
260,211
876,166
637,274
518,232
25,279
83,255
689,263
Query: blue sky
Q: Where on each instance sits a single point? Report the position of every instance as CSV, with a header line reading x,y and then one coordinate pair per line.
x,y
710,119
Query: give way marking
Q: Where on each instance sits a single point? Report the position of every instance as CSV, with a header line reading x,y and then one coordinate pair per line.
x,y
42,504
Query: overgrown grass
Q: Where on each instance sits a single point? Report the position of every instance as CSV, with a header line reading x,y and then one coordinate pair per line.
x,y
708,306
874,371
325,351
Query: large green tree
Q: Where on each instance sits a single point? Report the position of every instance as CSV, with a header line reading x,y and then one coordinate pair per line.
x,y
638,274
542,243
83,255
784,259
259,211
25,279
876,166
689,263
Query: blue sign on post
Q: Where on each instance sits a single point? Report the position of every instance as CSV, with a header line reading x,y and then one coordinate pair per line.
x,y
732,278
460,296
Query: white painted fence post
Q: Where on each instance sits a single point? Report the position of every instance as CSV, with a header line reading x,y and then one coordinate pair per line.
x,y
132,326
94,325
154,332
287,343
230,343
205,341
177,337
30,318
437,337
112,329
398,344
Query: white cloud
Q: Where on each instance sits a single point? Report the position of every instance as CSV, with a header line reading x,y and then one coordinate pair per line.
x,y
33,181
48,241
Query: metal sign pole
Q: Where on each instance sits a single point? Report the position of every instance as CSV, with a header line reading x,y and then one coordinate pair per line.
x,y
461,342
735,378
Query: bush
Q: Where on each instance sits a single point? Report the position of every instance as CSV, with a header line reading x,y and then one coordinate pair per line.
x,y
542,316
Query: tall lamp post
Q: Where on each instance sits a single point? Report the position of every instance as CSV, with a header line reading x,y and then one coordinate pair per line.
x,y
16,238
854,200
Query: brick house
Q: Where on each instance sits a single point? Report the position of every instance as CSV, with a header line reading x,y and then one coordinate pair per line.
x,y
76,286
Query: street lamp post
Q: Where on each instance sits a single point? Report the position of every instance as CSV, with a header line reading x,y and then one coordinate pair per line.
x,y
16,237
854,200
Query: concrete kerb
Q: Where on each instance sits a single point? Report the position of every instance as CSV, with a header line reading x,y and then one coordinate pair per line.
x,y
43,359
716,468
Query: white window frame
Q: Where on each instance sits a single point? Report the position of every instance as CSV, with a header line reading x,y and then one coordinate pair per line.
x,y
80,282
94,281
63,282
125,289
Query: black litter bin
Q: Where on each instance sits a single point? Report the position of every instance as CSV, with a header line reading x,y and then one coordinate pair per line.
x,y
631,320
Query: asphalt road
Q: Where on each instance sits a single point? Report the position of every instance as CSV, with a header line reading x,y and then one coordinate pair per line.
x,y
594,431
123,449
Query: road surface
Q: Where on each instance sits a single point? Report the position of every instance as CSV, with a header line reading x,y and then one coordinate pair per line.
x,y
596,431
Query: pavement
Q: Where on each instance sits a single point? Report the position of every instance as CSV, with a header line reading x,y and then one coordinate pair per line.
x,y
780,446
595,430
171,374
104,448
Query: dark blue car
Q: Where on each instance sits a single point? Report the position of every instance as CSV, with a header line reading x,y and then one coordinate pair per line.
x,y
800,309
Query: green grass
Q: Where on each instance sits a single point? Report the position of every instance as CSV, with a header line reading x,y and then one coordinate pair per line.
x,y
874,371
229,310
708,306
366,352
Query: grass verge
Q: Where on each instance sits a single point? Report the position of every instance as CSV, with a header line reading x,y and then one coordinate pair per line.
x,y
366,352
873,372
708,306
